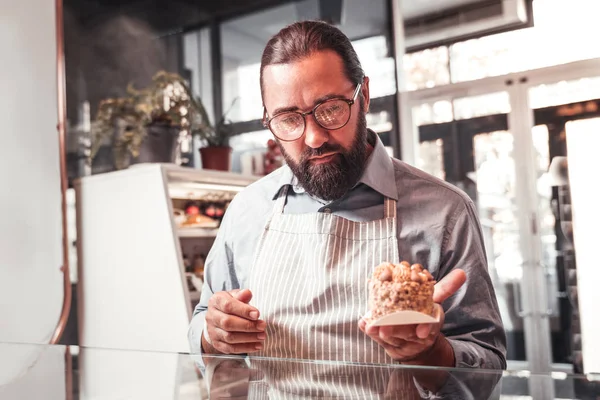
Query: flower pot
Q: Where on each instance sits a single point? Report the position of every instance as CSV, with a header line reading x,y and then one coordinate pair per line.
x,y
218,158
159,145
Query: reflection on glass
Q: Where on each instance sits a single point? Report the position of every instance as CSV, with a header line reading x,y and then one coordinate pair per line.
x,y
431,158
479,106
427,68
564,92
263,378
433,113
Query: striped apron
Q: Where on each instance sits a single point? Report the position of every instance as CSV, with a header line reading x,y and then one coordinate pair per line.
x,y
309,281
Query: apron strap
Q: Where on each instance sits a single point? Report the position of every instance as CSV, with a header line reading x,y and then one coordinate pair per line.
x,y
280,202
389,208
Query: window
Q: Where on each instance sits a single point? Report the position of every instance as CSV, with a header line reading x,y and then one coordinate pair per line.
x,y
561,34
378,65
564,92
427,68
243,40
433,113
431,158
479,106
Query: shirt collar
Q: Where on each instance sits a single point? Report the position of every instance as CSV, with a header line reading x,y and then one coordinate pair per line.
x,y
378,173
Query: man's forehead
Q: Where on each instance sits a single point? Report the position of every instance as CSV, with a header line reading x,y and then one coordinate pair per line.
x,y
302,81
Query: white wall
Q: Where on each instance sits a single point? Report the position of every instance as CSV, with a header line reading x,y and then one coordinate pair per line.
x,y
583,142
40,375
31,291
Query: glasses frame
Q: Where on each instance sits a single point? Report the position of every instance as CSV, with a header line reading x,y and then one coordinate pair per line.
x,y
267,120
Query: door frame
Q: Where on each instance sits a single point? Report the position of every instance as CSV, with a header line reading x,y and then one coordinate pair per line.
x,y
534,291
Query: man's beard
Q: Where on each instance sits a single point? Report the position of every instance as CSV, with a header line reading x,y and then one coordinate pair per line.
x,y
332,180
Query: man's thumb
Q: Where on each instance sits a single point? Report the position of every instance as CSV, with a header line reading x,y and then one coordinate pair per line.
x,y
243,295
449,285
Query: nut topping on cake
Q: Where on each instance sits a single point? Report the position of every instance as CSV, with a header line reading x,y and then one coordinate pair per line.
x,y
400,287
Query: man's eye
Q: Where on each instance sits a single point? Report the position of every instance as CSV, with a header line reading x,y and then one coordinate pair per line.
x,y
289,121
333,108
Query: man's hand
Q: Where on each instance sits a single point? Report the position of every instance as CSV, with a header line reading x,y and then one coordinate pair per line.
x,y
419,343
232,324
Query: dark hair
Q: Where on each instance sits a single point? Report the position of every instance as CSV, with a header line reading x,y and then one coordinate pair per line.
x,y
300,39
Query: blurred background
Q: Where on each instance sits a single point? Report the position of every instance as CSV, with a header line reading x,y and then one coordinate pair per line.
x,y
163,126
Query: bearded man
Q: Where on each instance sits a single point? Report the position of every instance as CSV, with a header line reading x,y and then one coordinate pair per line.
x,y
287,275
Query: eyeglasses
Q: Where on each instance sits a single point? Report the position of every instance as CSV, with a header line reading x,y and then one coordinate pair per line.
x,y
329,114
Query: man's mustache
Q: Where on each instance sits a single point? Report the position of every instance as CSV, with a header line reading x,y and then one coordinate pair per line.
x,y
325,148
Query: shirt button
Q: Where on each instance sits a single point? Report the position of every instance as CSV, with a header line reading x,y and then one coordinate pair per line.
x,y
327,210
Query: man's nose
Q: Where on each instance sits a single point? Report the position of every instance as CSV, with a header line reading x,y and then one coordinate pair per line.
x,y
315,136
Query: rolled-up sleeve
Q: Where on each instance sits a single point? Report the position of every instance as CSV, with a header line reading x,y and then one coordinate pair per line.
x,y
473,325
219,275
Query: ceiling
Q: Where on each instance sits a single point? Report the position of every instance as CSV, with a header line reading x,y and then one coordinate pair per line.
x,y
164,15
412,9
248,24
175,15
244,38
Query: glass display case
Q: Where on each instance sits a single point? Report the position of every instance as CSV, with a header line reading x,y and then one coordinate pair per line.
x,y
156,223
68,372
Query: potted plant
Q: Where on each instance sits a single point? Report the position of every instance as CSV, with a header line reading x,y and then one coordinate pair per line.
x,y
215,151
145,125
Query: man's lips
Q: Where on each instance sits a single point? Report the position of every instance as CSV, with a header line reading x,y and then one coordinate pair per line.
x,y
323,158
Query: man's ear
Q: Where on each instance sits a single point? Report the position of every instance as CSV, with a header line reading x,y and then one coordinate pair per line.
x,y
365,93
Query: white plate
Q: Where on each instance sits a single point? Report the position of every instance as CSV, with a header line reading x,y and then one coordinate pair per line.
x,y
408,317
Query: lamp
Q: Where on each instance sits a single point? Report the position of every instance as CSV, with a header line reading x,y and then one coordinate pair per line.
x,y
558,172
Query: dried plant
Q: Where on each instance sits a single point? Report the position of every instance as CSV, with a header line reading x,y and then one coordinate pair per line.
x,y
167,101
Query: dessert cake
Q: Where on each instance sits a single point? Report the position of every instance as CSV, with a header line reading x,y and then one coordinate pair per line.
x,y
399,287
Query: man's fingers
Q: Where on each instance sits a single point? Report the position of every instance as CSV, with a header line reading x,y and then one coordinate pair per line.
x,y
371,331
228,304
406,332
362,325
233,323
449,285
239,337
424,330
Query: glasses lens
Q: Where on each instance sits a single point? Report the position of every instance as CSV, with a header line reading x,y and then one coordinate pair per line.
x,y
333,114
287,125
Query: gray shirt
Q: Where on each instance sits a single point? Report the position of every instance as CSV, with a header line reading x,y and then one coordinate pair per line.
x,y
437,227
